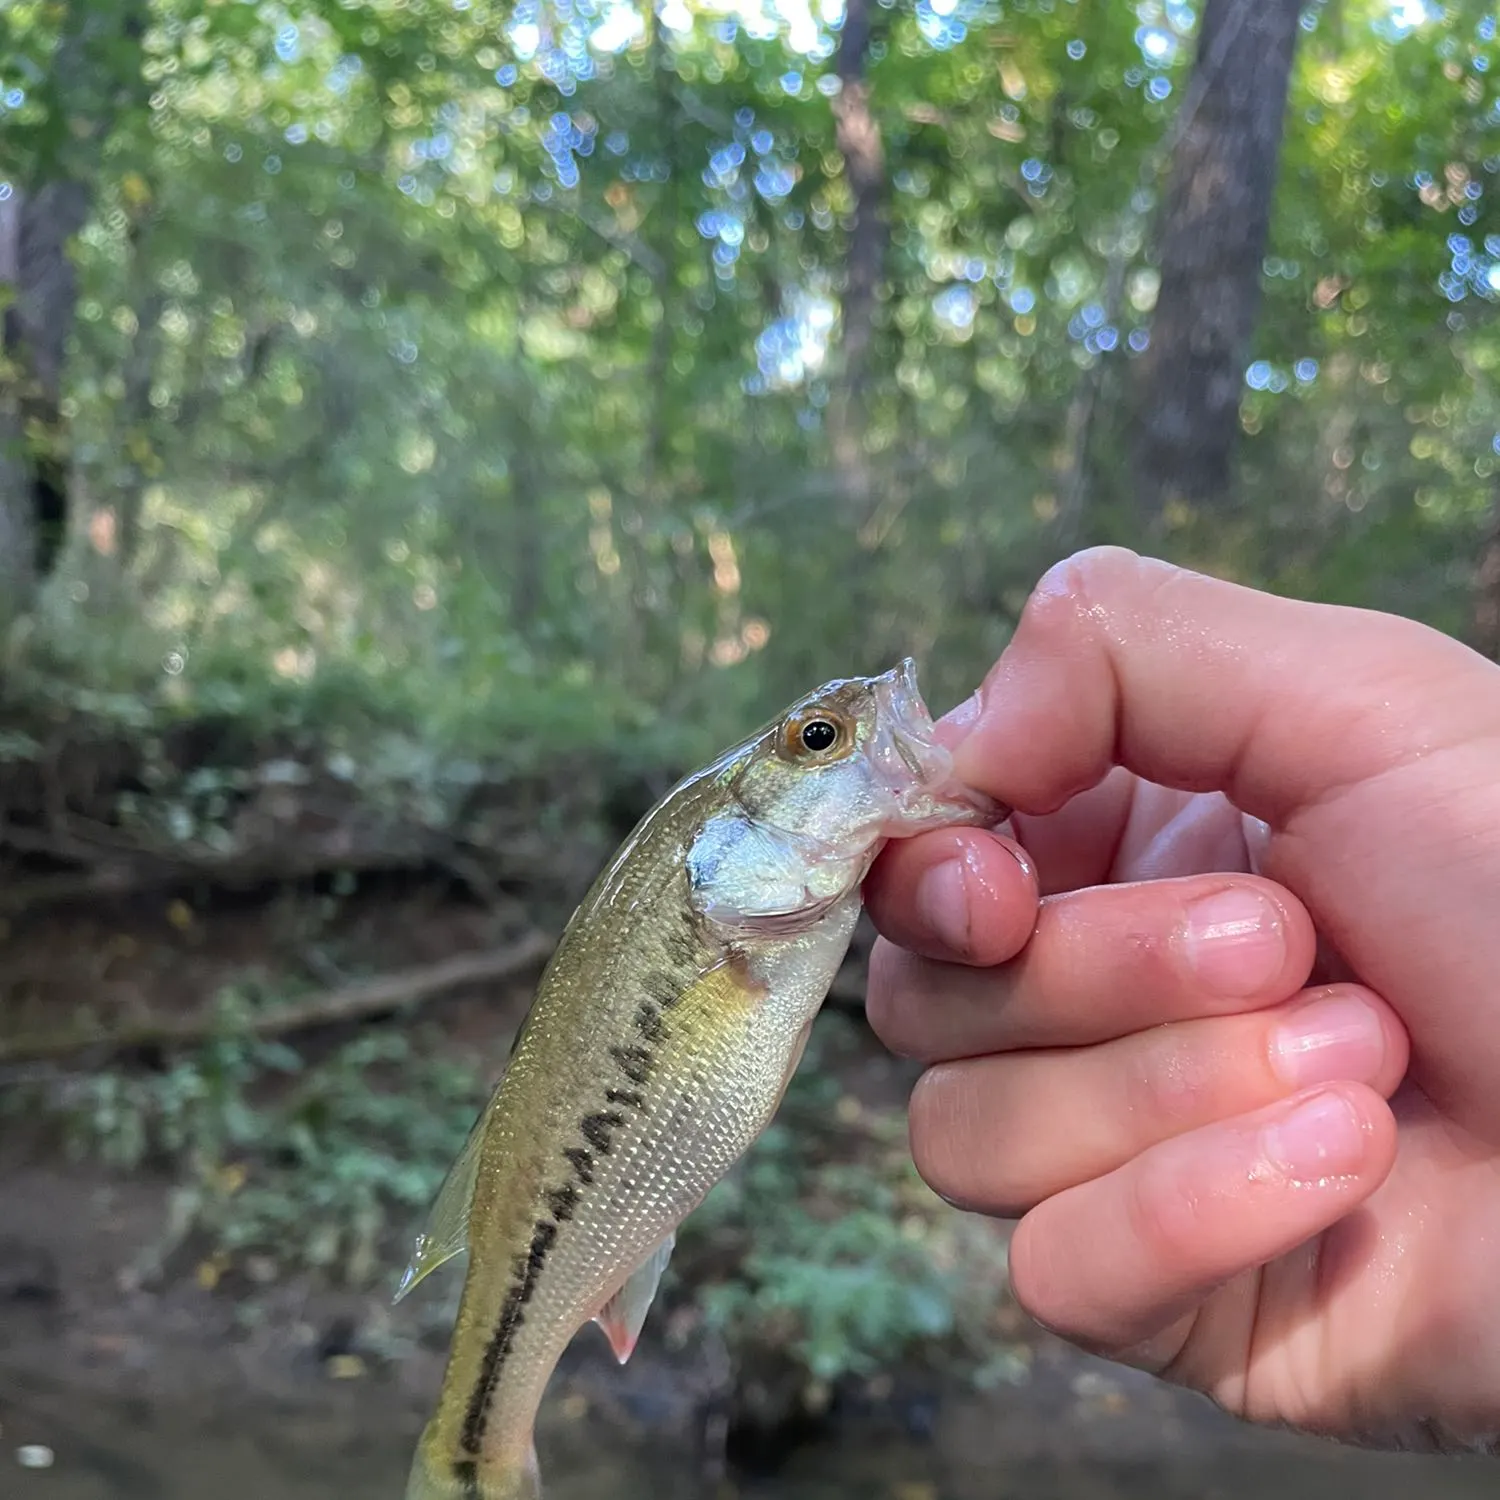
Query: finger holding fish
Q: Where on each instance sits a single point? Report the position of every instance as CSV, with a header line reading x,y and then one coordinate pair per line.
x,y
1052,1119
1097,964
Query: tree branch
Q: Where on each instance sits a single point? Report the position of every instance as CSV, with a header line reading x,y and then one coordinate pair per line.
x,y
348,1003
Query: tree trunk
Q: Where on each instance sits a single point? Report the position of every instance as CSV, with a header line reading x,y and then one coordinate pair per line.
x,y
1218,209
17,532
857,134
95,79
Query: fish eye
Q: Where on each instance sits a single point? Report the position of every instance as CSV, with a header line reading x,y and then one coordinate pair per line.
x,y
819,733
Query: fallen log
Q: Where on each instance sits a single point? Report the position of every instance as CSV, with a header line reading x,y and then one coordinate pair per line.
x,y
347,1003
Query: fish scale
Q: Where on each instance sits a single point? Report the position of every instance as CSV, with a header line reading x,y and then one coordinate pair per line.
x,y
662,1037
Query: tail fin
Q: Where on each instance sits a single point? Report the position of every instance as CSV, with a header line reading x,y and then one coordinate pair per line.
x,y
435,1479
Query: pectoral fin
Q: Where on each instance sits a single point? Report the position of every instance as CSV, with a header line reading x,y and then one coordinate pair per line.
x,y
447,1230
624,1315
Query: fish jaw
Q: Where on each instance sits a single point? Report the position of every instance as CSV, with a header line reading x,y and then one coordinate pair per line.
x,y
914,768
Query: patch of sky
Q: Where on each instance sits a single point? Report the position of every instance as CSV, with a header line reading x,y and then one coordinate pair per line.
x,y
525,36
566,138
1088,326
1158,45
1402,17
954,308
717,224
620,26
1038,176
774,180
939,26
1262,375
343,73
794,348
724,165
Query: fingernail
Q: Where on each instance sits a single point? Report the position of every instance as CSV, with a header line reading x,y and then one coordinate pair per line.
x,y
943,904
953,728
1235,942
1325,1039
1320,1137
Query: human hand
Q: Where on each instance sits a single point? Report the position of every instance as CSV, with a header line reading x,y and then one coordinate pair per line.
x,y
1224,1174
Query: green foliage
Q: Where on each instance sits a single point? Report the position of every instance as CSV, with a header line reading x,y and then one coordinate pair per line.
x,y
299,1167
468,371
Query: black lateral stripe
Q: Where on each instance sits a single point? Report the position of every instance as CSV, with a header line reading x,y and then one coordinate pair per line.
x,y
583,1163
631,1098
682,947
662,988
596,1128
648,1023
466,1474
562,1201
527,1269
635,1062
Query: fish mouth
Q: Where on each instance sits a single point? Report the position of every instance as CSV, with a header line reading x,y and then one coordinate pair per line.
x,y
912,766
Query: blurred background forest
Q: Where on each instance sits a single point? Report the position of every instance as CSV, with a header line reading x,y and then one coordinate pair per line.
x,y
427,427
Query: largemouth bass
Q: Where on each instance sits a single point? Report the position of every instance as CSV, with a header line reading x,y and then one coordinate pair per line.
x,y
661,1039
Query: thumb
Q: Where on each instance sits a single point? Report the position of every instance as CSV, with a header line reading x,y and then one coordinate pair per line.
x,y
1208,686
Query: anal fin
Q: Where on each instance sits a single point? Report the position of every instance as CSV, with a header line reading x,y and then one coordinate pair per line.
x,y
624,1315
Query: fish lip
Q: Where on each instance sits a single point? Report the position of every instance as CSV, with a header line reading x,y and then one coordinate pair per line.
x,y
914,767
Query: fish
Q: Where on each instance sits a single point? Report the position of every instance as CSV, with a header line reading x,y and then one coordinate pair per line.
x,y
657,1048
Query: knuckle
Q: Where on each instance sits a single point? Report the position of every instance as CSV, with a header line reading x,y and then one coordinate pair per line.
x,y
1174,1083
1082,587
